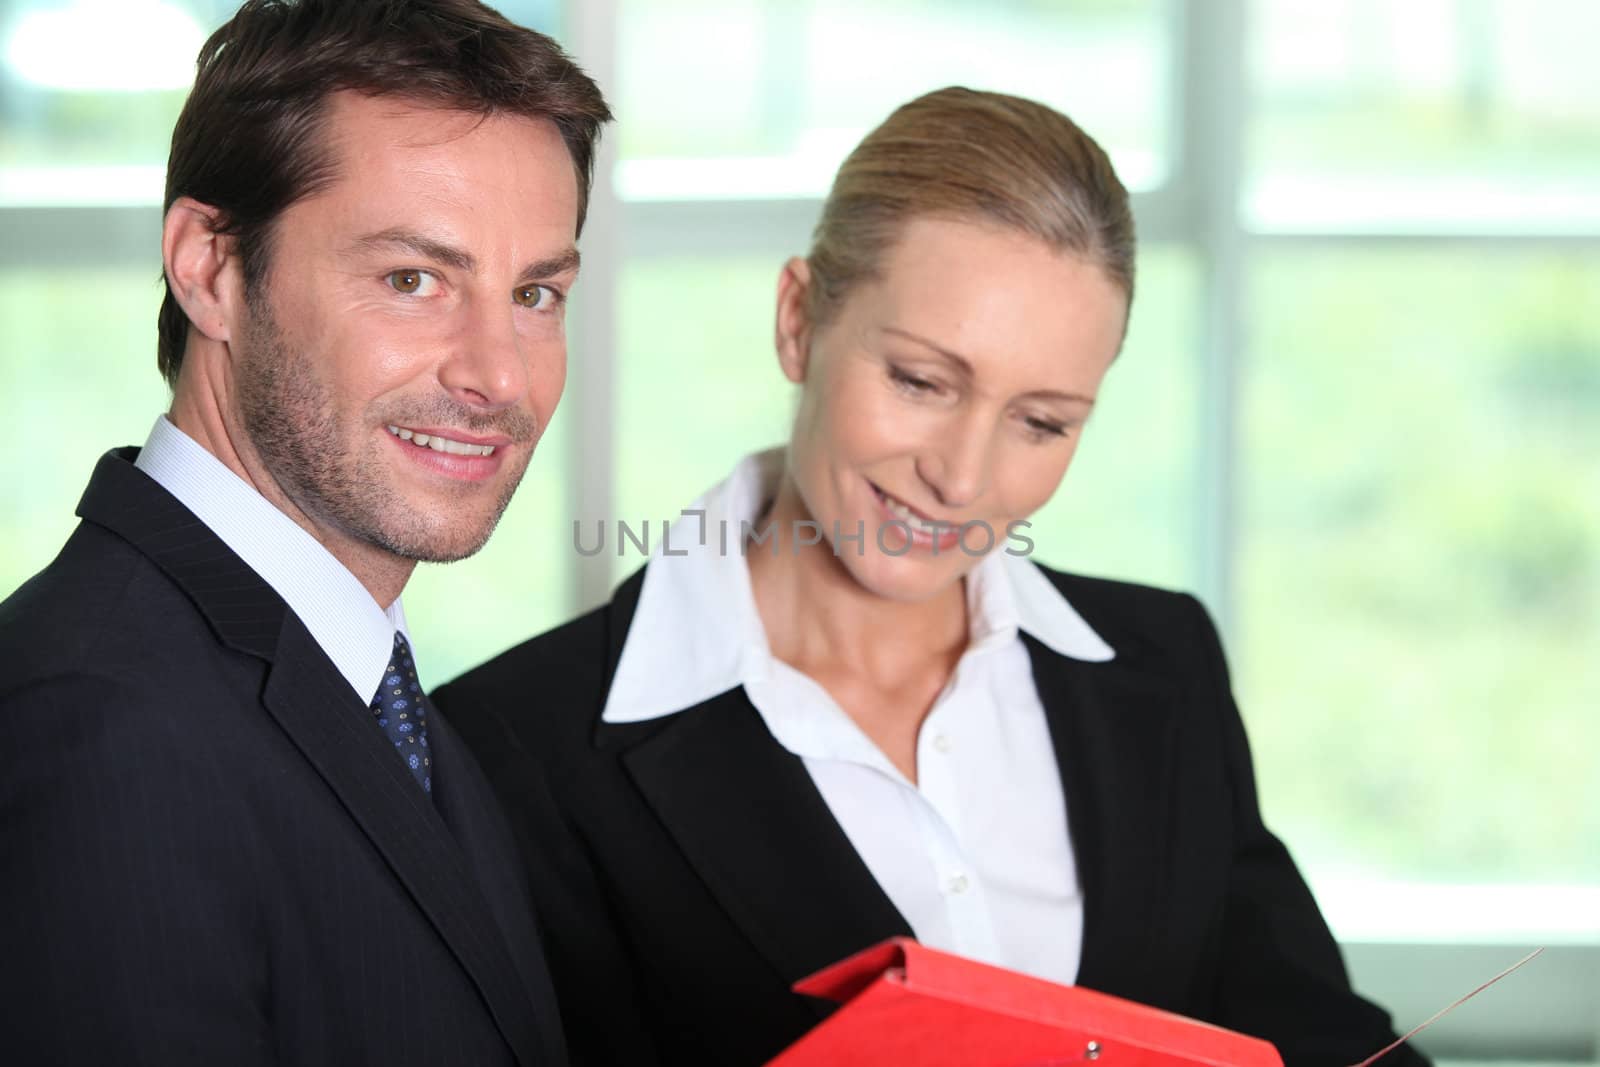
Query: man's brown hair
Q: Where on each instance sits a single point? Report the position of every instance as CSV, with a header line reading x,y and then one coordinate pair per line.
x,y
249,140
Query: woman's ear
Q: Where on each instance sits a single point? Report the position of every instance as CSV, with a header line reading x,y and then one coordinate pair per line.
x,y
793,329
199,266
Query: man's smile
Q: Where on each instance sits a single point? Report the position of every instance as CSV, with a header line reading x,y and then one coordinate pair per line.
x,y
441,443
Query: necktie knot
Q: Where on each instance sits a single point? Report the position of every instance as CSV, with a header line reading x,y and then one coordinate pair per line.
x,y
401,710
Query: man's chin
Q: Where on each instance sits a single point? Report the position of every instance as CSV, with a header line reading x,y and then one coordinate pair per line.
x,y
447,527
449,538
446,555
451,546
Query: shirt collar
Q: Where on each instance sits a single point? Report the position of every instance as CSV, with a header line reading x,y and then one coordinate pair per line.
x,y
341,616
696,632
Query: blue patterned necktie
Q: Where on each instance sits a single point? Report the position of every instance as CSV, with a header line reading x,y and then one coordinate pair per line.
x,y
401,710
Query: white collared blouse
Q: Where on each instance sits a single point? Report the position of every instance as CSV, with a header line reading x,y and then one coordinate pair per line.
x,y
976,854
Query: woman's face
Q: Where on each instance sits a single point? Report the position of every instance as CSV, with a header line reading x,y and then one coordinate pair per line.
x,y
949,392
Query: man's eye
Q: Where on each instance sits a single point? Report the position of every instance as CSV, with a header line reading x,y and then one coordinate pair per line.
x,y
534,296
410,282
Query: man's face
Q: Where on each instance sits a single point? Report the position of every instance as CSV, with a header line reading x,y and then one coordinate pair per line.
x,y
406,350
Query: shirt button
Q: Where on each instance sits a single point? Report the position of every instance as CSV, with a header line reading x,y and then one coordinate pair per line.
x,y
941,742
957,883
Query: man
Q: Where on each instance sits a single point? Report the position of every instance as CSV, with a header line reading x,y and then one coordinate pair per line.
x,y
232,831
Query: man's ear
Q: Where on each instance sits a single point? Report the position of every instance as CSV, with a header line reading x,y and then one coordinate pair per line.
x,y
793,331
200,263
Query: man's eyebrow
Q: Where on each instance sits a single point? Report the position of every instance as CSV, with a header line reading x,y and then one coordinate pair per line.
x,y
965,367
560,263
416,243
439,252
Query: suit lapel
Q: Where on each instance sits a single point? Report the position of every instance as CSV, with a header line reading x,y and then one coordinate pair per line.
x,y
317,709
244,611
327,722
1113,733
470,810
749,819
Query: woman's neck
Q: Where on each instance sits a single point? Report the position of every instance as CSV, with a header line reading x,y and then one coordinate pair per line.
x,y
818,616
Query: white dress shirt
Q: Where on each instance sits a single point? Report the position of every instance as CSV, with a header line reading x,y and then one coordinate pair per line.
x,y
342,617
976,854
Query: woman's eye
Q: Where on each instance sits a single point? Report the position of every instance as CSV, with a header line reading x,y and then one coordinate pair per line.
x,y
410,282
1045,428
911,382
538,297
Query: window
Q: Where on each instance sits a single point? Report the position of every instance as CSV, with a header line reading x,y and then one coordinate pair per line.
x,y
784,91
1440,116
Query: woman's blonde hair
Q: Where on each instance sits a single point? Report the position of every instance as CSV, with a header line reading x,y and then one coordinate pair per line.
x,y
974,157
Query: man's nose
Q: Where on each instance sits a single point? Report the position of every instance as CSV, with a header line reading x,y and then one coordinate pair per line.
x,y
489,368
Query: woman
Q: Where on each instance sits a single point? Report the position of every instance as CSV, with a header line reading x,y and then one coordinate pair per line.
x,y
846,707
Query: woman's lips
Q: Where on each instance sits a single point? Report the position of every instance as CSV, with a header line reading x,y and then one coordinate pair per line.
x,y
933,534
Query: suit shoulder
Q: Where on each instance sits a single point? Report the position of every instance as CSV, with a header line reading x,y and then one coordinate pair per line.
x,y
58,619
546,693
1139,621
567,660
1121,603
103,608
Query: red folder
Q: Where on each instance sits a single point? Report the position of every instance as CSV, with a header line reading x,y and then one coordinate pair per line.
x,y
904,1003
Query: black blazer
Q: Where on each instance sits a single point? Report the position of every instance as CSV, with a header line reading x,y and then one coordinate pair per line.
x,y
209,854
691,872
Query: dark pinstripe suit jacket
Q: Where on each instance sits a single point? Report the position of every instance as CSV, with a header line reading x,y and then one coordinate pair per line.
x,y
208,853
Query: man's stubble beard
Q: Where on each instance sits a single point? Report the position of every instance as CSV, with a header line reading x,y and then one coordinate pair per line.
x,y
301,437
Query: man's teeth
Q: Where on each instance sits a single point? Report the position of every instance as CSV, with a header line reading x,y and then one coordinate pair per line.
x,y
912,519
441,444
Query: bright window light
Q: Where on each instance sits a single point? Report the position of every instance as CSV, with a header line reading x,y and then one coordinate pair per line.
x,y
106,46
